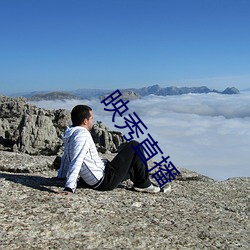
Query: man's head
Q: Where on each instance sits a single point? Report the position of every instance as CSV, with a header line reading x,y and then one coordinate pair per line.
x,y
81,115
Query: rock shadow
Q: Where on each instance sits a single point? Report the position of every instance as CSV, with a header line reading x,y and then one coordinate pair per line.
x,y
36,182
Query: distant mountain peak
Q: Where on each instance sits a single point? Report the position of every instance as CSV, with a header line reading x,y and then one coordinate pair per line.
x,y
230,91
53,96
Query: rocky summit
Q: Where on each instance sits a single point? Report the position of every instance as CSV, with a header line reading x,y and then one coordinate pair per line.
x,y
199,212
36,131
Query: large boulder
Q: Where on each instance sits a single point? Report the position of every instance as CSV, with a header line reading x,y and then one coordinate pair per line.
x,y
106,140
37,133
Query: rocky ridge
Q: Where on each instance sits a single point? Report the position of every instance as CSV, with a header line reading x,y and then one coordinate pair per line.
x,y
32,130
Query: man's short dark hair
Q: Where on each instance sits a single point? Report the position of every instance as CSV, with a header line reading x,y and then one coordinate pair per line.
x,y
79,113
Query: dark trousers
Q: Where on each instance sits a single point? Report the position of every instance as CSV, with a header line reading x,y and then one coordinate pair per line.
x,y
126,164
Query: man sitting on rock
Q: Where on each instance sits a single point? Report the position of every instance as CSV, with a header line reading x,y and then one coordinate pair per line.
x,y
81,158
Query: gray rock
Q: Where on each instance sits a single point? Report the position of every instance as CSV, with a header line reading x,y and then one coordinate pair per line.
x,y
106,140
126,95
37,134
27,128
17,162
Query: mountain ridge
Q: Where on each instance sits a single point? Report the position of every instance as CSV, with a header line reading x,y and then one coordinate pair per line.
x,y
173,90
89,93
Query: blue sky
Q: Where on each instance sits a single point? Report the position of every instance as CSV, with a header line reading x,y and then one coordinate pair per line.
x,y
66,45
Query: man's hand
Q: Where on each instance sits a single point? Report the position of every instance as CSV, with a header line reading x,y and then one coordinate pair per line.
x,y
67,191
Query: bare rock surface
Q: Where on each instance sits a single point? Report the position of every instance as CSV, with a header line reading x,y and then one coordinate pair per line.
x,y
199,213
23,163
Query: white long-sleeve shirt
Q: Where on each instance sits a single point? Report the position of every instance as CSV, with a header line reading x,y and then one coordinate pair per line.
x,y
80,157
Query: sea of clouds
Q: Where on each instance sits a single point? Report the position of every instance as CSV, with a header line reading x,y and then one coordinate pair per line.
x,y
207,133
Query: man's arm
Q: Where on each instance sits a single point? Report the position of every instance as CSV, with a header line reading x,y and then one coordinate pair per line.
x,y
78,148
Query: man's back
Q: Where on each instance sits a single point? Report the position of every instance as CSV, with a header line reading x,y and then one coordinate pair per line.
x,y
80,157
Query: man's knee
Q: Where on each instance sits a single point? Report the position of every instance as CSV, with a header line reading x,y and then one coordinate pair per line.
x,y
134,143
125,145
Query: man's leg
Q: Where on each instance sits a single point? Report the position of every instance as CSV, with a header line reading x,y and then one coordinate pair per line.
x,y
126,163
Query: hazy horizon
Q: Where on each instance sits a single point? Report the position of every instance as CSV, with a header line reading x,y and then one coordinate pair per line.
x,y
207,133
14,94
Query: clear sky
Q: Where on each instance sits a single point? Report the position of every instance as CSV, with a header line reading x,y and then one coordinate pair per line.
x,y
71,44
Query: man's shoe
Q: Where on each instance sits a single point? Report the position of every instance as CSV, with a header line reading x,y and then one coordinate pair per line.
x,y
153,189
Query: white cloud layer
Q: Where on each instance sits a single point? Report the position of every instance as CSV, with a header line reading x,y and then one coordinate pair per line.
x,y
207,133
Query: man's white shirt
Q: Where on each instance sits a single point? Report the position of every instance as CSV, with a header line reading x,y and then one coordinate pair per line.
x,y
80,157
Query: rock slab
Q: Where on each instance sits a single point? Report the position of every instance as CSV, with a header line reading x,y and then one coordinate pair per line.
x,y
199,213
